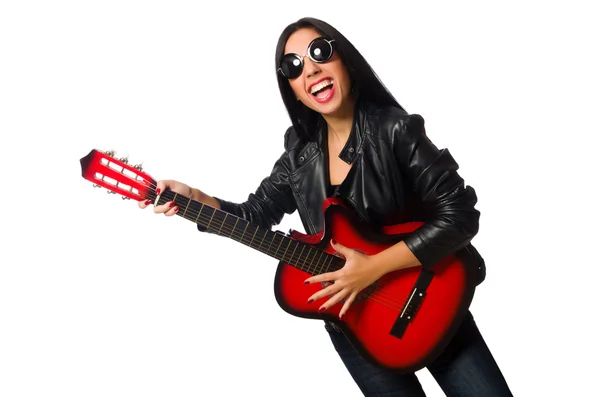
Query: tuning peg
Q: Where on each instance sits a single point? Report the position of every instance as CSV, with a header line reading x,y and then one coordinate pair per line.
x,y
138,167
96,185
111,192
125,198
110,153
124,160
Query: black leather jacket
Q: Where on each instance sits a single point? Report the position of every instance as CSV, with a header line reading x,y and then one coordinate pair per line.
x,y
398,175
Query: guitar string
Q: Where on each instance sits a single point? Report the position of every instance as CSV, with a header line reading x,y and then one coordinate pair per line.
x,y
199,215
383,298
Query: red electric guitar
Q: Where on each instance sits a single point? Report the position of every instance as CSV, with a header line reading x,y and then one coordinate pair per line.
x,y
401,322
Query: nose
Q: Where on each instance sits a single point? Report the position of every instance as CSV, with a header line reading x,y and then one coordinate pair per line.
x,y
311,68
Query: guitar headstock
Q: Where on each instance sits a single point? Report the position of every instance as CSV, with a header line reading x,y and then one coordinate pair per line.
x,y
116,175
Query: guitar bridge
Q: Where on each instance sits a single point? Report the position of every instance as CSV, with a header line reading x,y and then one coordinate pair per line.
x,y
412,305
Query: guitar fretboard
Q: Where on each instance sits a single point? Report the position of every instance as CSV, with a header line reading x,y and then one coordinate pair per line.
x,y
275,244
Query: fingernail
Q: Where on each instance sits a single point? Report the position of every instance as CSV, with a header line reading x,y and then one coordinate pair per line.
x,y
147,202
333,241
321,309
307,282
310,301
171,204
157,191
176,209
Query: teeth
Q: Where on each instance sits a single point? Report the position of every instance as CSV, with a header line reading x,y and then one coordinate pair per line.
x,y
321,85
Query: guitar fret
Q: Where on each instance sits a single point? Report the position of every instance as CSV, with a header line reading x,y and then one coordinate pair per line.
x,y
319,266
319,260
322,267
330,260
186,207
293,252
286,249
308,260
300,257
199,212
253,236
271,243
263,239
234,226
211,218
277,250
244,232
222,223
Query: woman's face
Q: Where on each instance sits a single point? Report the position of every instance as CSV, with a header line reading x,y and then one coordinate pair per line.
x,y
323,87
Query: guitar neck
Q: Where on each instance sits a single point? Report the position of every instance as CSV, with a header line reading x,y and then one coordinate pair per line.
x,y
275,244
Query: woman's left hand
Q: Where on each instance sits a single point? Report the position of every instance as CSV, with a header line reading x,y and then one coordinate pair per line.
x,y
358,272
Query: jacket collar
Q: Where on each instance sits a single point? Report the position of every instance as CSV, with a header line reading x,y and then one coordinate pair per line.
x,y
355,141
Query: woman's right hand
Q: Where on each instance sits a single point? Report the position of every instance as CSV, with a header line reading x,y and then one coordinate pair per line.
x,y
169,208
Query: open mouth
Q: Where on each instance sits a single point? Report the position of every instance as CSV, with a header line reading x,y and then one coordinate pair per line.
x,y
323,89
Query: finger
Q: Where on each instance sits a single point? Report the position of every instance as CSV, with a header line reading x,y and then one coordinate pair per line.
x,y
165,208
332,289
161,186
322,277
172,211
333,300
347,304
144,203
340,248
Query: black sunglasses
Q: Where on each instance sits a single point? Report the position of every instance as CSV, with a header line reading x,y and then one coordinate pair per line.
x,y
320,50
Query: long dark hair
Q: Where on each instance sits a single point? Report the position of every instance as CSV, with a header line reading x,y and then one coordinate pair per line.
x,y
365,83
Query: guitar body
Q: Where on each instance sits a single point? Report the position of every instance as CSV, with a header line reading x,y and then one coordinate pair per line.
x,y
402,322
369,321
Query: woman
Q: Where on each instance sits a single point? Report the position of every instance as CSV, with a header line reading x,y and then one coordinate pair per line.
x,y
350,139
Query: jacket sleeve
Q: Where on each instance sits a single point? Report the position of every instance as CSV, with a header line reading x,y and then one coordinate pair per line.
x,y
452,220
271,200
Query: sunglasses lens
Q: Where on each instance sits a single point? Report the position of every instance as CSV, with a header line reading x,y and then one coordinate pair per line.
x,y
320,50
291,66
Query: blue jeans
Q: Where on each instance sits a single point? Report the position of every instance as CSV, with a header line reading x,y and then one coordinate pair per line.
x,y
465,369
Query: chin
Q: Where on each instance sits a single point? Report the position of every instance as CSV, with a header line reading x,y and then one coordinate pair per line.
x,y
327,109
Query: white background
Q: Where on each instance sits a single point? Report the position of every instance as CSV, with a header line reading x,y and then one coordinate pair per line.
x,y
99,298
